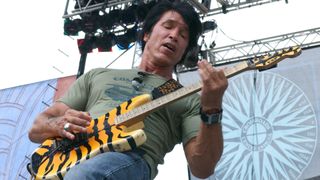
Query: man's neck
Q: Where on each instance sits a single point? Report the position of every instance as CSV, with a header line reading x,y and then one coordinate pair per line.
x,y
165,72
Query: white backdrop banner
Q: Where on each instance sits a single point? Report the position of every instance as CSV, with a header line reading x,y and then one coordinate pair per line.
x,y
271,122
18,108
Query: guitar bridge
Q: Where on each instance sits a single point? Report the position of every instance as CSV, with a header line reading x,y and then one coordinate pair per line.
x,y
64,145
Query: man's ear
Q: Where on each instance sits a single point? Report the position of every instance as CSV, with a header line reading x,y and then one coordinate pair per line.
x,y
146,37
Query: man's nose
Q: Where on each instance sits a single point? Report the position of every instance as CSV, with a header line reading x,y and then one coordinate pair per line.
x,y
174,33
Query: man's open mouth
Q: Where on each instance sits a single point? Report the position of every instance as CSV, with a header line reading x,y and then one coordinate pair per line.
x,y
170,47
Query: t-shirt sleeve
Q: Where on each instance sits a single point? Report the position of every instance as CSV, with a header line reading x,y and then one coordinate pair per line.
x,y
191,119
77,95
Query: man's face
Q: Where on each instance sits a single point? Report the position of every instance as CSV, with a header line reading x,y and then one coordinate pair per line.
x,y
167,42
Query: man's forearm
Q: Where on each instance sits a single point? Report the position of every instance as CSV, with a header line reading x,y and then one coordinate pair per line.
x,y
205,150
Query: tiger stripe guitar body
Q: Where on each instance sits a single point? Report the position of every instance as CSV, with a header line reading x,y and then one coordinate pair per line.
x,y
121,128
51,162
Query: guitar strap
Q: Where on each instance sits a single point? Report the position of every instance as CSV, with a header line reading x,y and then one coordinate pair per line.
x,y
166,88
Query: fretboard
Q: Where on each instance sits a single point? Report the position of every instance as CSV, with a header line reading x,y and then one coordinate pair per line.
x,y
174,96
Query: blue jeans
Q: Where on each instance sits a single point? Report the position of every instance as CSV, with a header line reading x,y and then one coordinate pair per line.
x,y
111,166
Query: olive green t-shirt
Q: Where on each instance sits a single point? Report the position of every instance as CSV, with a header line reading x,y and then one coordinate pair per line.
x,y
101,90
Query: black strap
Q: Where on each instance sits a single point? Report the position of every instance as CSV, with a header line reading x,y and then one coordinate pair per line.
x,y
166,88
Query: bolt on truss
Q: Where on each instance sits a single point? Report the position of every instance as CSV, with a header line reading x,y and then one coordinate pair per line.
x,y
250,49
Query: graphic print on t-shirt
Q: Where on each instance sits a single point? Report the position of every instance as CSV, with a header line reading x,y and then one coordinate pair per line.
x,y
122,90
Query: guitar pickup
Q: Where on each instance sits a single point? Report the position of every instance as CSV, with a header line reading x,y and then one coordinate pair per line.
x,y
65,145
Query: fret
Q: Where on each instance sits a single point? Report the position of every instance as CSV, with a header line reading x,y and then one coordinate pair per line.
x,y
130,114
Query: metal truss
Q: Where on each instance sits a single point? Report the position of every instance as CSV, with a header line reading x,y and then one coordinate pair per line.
x,y
225,6
250,49
107,4
204,7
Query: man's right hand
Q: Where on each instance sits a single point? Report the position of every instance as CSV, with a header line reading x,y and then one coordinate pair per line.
x,y
51,123
77,122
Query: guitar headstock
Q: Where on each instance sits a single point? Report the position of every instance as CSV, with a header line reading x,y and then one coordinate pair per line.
x,y
269,61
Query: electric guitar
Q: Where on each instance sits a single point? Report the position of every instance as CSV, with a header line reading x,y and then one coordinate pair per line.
x,y
121,128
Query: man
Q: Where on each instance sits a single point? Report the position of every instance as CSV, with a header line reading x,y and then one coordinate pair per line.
x,y
169,32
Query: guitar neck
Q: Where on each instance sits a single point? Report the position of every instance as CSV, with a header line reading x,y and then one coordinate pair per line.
x,y
174,96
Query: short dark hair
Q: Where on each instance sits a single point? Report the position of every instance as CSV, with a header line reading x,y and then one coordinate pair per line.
x,y
188,13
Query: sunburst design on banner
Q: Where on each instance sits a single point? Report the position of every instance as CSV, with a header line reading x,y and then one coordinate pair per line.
x,y
269,128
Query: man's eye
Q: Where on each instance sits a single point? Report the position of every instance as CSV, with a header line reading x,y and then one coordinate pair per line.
x,y
183,35
167,26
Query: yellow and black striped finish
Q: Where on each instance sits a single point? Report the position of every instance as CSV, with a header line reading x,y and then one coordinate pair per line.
x,y
102,136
